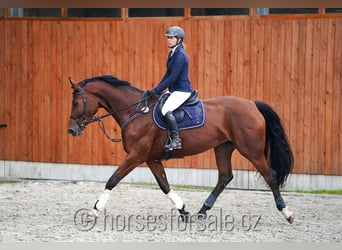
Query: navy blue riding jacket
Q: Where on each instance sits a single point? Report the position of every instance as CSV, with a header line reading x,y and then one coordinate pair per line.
x,y
176,77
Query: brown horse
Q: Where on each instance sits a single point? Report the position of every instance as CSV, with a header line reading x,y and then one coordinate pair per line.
x,y
251,127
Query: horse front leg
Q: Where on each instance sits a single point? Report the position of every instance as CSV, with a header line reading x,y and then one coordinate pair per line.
x,y
124,169
159,173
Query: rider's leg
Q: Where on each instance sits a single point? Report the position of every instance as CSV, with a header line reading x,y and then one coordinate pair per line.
x,y
176,141
175,100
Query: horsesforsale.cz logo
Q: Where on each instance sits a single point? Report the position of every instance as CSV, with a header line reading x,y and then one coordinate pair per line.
x,y
82,220
218,221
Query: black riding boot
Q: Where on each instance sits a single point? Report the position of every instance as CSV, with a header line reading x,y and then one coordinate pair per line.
x,y
176,142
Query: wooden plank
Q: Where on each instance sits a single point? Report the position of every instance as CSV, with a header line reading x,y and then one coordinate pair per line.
x,y
220,59
15,91
25,133
280,81
211,58
322,95
88,55
227,57
287,94
267,62
30,90
302,67
147,77
231,46
46,108
62,89
234,58
42,93
246,58
260,38
207,79
189,47
294,92
200,75
337,103
308,97
192,43
144,51
11,103
240,48
207,46
96,140
104,146
329,95
4,119
274,64
314,131
21,92
64,94
69,65
246,70
257,59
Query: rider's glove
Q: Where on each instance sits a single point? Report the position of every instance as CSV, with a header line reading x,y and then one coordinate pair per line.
x,y
150,93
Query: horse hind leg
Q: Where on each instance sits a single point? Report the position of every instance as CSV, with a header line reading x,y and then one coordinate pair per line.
x,y
223,155
253,148
278,152
269,175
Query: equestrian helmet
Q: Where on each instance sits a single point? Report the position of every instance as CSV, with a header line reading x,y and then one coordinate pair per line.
x,y
175,31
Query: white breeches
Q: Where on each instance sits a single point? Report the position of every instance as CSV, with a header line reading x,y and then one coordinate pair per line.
x,y
176,99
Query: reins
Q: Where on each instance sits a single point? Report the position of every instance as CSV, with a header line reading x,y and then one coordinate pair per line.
x,y
145,109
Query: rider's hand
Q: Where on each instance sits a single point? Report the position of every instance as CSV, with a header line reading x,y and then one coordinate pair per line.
x,y
150,93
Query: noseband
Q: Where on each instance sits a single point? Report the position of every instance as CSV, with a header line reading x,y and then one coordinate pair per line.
x,y
84,112
85,108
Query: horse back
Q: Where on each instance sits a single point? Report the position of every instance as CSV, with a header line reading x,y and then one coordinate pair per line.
x,y
235,112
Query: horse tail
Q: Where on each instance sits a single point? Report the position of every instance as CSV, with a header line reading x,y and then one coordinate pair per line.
x,y
277,148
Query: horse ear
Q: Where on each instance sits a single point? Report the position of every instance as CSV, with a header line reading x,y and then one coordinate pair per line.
x,y
72,83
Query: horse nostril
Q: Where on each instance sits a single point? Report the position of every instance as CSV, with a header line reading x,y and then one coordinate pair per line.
x,y
71,131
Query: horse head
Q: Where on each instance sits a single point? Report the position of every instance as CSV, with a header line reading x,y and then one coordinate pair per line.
x,y
83,108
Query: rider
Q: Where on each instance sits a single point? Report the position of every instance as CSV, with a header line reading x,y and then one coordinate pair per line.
x,y
177,80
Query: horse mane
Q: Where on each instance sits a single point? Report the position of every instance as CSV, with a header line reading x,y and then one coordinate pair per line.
x,y
112,80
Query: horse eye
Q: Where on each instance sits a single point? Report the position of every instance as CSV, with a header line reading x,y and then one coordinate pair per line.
x,y
74,103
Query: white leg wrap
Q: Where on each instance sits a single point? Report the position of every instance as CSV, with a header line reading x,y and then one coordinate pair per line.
x,y
95,212
176,199
104,197
286,212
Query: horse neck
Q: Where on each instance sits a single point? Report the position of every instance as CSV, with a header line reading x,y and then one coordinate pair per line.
x,y
118,100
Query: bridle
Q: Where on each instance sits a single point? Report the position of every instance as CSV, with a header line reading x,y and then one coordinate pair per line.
x,y
142,108
85,107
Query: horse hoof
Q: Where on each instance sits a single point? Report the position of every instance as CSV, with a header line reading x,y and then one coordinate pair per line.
x,y
92,215
201,216
185,217
288,214
290,219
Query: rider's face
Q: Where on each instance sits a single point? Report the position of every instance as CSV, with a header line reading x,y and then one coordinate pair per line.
x,y
171,41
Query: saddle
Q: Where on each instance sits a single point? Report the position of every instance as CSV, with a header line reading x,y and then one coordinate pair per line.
x,y
189,115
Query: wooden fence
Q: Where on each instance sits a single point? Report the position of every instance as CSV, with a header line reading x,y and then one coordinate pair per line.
x,y
294,64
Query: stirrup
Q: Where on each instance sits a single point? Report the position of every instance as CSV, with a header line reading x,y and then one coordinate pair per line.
x,y
177,144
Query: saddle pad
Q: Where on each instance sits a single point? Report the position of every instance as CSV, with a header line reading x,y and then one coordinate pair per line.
x,y
194,117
